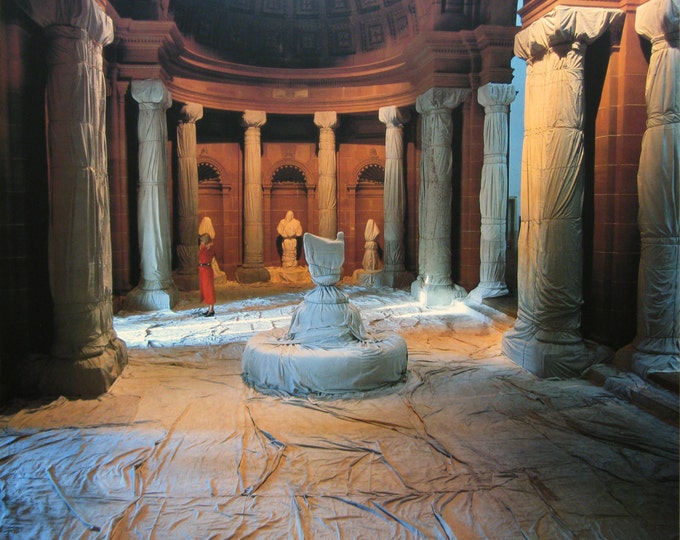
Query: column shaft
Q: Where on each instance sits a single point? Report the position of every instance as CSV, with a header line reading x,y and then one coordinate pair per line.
x,y
656,347
89,354
156,289
546,337
493,196
253,269
434,285
327,191
186,275
394,197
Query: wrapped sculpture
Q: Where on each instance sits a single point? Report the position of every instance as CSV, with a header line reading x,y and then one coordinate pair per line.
x,y
326,349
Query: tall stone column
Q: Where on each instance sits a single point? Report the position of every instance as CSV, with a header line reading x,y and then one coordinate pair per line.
x,y
186,276
253,269
656,348
87,355
394,198
327,191
546,338
493,196
156,289
434,285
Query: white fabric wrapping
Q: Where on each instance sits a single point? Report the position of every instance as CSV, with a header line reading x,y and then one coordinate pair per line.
x,y
550,241
290,229
326,349
79,235
394,196
327,188
371,259
436,190
206,227
657,343
187,192
493,196
156,288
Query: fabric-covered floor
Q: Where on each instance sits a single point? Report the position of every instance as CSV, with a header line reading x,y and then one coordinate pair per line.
x,y
468,446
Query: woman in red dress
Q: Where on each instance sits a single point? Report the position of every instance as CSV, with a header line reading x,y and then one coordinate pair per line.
x,y
206,278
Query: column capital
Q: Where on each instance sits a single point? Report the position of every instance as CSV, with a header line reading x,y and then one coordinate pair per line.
x,y
85,14
254,119
393,116
326,119
496,94
565,24
656,18
191,113
441,98
152,93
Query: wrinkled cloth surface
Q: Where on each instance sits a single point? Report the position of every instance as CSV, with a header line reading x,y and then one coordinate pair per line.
x,y
470,446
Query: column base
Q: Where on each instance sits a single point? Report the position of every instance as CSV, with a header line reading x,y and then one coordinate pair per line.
x,y
488,289
436,295
140,299
397,279
368,278
43,375
186,282
566,358
255,274
653,366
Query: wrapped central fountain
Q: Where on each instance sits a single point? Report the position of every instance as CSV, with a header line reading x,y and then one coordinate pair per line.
x,y
326,349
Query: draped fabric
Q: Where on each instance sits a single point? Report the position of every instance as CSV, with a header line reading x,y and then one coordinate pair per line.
x,y
253,206
79,232
156,289
394,196
371,259
550,240
326,348
327,196
436,191
493,196
187,183
658,328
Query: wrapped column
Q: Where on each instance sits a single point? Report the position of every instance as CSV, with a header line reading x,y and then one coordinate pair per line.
x,y
327,190
156,289
656,348
434,285
87,356
493,196
186,275
394,198
546,338
253,269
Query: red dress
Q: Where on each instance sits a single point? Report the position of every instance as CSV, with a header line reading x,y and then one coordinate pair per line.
x,y
206,277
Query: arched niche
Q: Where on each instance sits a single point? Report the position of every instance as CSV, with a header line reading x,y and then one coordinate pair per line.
x,y
368,203
287,189
211,193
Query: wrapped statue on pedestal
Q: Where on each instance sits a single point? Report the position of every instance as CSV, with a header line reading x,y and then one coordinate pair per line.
x,y
326,349
289,230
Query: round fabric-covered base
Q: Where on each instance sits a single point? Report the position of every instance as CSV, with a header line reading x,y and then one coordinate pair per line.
x,y
272,363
